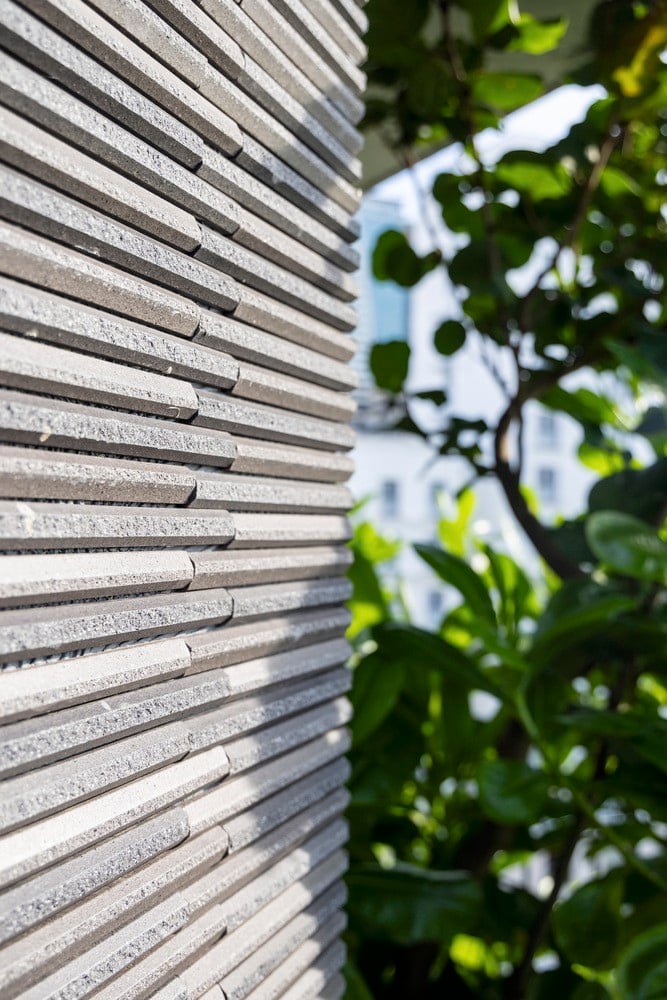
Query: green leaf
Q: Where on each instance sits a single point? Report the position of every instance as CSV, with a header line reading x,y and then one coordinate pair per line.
x,y
406,904
511,792
377,684
642,967
537,37
395,260
449,337
628,546
389,364
456,572
355,987
532,174
506,91
488,16
587,926
585,406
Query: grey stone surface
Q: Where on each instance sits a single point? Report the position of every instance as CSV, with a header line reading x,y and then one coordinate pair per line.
x,y
29,419
43,896
234,492
344,63
303,665
267,600
34,632
278,936
353,13
58,837
51,525
153,971
266,386
34,42
32,796
249,344
275,316
239,643
296,47
219,46
259,530
260,198
251,269
338,27
51,578
42,368
29,148
323,789
335,988
250,751
115,50
47,947
268,423
245,790
40,475
59,269
34,206
25,309
49,105
306,973
290,461
56,686
227,569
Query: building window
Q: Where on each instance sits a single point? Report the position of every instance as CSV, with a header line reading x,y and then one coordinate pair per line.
x,y
390,498
547,430
547,484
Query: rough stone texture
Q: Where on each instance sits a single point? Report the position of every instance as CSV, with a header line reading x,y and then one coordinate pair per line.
x,y
27,310
59,269
177,186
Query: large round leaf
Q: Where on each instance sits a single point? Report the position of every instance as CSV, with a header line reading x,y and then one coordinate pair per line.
x,y
628,545
642,969
587,926
511,792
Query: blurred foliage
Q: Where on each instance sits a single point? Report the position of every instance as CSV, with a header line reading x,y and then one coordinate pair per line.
x,y
530,727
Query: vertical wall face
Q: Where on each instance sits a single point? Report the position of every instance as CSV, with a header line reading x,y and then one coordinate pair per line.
x,y
177,187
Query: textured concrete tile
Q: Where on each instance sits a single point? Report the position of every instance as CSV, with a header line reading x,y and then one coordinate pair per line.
x,y
26,419
59,269
335,988
290,393
50,525
176,989
258,235
34,42
219,46
115,50
281,668
263,50
259,197
221,411
281,927
89,972
249,344
33,150
34,206
55,686
323,788
43,896
218,569
234,721
267,600
48,947
275,316
297,49
251,269
330,197
48,579
25,309
344,63
347,36
290,461
306,973
259,530
53,839
234,492
248,752
32,796
41,368
294,838
246,790
240,643
47,104
138,21
35,631
50,475
352,11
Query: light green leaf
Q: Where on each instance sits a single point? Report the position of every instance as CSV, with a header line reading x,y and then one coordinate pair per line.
x,y
507,91
456,572
628,545
532,174
537,37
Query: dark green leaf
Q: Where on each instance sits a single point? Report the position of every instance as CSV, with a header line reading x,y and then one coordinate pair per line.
x,y
628,546
395,260
587,926
511,792
642,968
449,337
456,572
389,364
377,683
